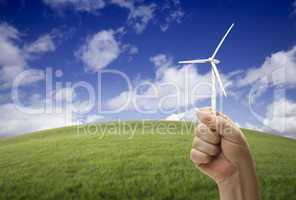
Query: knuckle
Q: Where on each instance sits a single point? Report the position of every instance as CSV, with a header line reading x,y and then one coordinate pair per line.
x,y
206,159
201,126
216,139
202,129
198,157
222,124
194,156
212,151
204,147
208,135
194,141
213,124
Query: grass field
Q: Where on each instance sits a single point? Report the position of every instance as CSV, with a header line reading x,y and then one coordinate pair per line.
x,y
134,160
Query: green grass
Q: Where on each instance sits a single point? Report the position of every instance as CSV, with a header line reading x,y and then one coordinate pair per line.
x,y
153,163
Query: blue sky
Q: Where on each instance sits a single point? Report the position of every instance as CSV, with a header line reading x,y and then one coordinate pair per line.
x,y
144,40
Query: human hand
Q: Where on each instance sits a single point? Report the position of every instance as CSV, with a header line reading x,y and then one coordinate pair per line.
x,y
220,150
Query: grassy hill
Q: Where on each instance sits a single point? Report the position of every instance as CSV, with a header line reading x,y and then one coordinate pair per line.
x,y
134,160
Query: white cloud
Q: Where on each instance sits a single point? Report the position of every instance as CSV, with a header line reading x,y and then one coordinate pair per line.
x,y
9,32
129,4
175,117
141,16
294,7
252,127
133,50
38,114
120,100
14,57
65,94
11,60
281,117
190,115
103,48
26,77
17,122
42,44
279,68
130,49
79,5
140,13
161,60
163,12
60,108
173,87
94,118
100,50
174,12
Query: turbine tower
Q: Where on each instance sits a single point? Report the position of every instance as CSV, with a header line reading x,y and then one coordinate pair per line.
x,y
215,73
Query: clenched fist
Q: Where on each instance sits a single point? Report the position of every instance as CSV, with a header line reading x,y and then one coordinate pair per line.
x,y
220,150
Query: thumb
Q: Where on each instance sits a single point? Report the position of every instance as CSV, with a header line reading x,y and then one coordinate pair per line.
x,y
222,125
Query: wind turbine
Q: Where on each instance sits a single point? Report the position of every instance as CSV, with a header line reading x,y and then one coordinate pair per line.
x,y
215,73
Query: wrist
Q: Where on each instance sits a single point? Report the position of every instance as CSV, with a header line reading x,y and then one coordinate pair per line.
x,y
241,185
230,188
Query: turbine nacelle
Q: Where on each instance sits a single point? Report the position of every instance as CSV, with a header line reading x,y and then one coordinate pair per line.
x,y
216,61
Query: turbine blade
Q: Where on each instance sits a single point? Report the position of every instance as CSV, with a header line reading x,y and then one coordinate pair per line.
x,y
218,77
194,61
220,44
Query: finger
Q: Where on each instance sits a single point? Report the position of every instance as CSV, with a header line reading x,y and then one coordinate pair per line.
x,y
206,117
207,135
207,110
199,157
205,147
223,126
214,122
229,130
226,118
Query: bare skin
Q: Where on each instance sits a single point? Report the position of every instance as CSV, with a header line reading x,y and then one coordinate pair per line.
x,y
221,151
